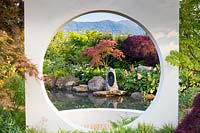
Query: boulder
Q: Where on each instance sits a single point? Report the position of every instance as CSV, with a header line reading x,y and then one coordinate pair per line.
x,y
137,95
67,82
71,81
80,88
97,83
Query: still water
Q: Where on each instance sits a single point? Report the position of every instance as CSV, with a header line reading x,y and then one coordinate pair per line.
x,y
67,100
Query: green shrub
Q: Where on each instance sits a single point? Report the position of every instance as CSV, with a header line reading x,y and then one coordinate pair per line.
x,y
12,121
16,86
87,72
186,98
122,122
138,81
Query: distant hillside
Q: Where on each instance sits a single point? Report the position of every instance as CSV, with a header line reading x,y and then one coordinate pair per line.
x,y
120,27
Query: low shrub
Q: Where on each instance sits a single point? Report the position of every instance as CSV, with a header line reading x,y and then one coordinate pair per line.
x,y
16,89
12,121
138,81
88,72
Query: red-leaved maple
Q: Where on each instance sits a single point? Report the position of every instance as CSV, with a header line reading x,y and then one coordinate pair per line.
x,y
103,53
138,48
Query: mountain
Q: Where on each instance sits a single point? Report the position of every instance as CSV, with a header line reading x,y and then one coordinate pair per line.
x,y
119,27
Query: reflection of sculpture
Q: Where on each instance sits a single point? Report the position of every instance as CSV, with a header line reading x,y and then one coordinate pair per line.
x,y
111,82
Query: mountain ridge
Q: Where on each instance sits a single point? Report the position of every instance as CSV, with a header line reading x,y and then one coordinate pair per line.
x,y
116,27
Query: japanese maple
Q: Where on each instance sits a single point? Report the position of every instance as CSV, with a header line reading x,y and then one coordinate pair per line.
x,y
103,53
138,48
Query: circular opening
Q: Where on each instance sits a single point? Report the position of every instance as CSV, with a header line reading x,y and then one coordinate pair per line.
x,y
78,56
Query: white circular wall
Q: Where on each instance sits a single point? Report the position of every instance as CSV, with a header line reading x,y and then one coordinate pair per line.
x,y
43,18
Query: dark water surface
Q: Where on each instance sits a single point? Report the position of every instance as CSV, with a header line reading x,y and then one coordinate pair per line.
x,y
67,100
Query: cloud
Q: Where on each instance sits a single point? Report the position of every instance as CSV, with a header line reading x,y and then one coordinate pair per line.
x,y
167,35
159,35
172,33
173,46
166,48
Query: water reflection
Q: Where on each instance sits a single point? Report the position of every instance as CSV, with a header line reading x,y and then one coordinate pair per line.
x,y
68,100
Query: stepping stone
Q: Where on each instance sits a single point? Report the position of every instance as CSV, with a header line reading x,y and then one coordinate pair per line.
x,y
109,93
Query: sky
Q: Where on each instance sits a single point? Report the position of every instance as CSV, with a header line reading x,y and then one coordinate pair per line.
x,y
94,17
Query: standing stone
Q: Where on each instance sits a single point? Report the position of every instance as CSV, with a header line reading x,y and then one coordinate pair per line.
x,y
97,83
111,82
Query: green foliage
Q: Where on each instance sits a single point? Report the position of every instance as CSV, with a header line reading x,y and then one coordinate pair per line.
x,y
185,100
138,81
64,51
86,73
141,128
12,121
122,122
188,57
54,62
16,86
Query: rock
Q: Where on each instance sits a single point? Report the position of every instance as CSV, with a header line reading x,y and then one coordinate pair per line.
x,y
80,88
147,68
109,93
71,81
97,83
137,95
66,82
60,82
149,96
50,82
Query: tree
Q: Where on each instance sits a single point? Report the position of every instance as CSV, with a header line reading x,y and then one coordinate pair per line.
x,y
12,59
103,53
188,57
140,48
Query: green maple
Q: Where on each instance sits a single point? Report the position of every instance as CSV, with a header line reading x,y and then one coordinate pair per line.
x,y
188,57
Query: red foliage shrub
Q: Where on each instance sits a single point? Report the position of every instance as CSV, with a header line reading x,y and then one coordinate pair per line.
x,y
103,53
140,47
191,122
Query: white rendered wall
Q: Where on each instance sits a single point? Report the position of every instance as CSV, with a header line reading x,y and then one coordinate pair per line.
x,y
44,17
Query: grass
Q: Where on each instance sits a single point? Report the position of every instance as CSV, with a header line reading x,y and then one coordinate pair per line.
x,y
119,127
142,128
